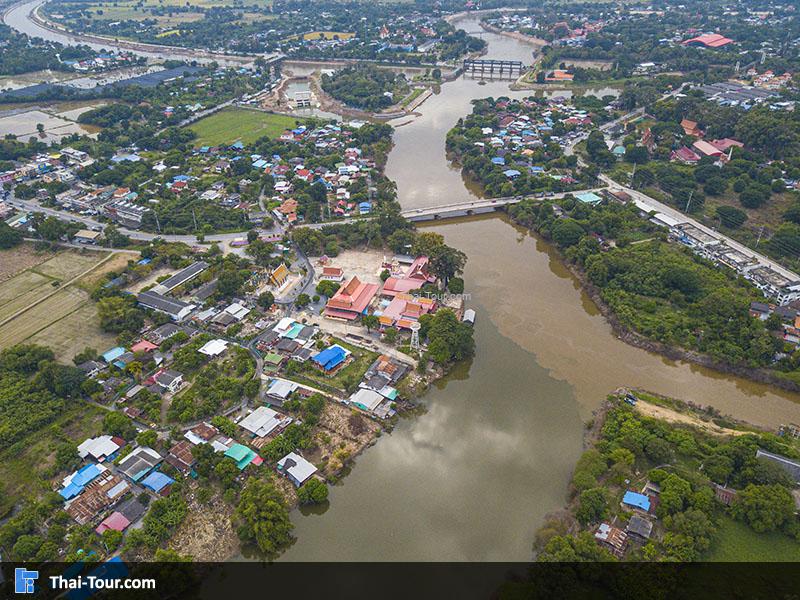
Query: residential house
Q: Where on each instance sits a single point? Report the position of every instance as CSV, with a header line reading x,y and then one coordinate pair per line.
x,y
296,468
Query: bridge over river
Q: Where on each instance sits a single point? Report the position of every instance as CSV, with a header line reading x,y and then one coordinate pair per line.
x,y
475,207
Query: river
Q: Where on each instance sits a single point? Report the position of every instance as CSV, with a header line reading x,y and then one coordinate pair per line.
x,y
473,477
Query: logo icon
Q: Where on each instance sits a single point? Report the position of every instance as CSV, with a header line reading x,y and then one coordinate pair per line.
x,y
24,581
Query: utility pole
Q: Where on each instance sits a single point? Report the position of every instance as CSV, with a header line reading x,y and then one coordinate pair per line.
x,y
158,225
689,201
633,175
194,218
760,233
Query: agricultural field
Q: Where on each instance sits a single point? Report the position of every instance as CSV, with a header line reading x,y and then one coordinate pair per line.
x,y
159,10
232,124
35,308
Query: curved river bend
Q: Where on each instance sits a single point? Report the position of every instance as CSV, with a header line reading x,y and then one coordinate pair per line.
x,y
473,478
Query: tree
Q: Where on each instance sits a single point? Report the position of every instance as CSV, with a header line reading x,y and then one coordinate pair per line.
x,y
592,506
313,492
579,548
764,507
262,517
731,216
9,237
302,300
327,288
447,262
115,423
266,300
147,438
119,314
370,322
567,232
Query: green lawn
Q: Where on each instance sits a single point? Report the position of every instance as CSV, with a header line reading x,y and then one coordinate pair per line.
x,y
736,542
232,124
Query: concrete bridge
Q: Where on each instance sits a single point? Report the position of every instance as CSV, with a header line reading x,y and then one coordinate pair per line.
x,y
477,207
491,67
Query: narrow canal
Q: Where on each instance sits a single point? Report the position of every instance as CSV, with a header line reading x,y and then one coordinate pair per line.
x,y
473,478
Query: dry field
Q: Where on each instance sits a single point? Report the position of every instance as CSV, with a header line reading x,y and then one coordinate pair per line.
x,y
65,318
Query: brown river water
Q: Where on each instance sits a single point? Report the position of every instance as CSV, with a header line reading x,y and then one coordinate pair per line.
x,y
473,477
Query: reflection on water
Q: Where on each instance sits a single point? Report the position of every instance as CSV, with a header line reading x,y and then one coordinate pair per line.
x,y
473,478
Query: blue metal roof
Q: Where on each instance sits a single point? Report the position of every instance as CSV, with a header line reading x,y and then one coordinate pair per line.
x,y
637,500
157,481
330,358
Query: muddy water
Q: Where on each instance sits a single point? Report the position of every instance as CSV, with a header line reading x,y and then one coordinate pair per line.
x,y
474,477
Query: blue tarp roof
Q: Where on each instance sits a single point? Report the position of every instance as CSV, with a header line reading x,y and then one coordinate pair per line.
x,y
511,173
499,160
330,358
157,481
79,480
637,500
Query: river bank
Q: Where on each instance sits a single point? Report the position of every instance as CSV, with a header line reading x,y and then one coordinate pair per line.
x,y
634,338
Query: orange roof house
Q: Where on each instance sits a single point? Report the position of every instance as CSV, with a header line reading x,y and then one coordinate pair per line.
x,y
351,301
404,310
691,128
707,149
560,75
288,207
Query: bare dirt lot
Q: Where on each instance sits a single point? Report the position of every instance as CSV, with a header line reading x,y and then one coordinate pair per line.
x,y
366,265
206,534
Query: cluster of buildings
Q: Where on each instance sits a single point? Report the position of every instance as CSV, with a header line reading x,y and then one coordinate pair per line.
x,y
719,149
396,302
731,93
521,134
776,282
101,62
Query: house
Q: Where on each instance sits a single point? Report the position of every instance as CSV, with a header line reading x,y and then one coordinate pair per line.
x,y
176,309
116,521
612,538
214,347
332,274
169,380
685,155
202,433
639,529
351,301
143,346
263,421
86,236
331,359
404,310
366,399
158,482
100,448
296,468
691,128
91,368
280,390
103,492
635,501
111,355
180,456
707,149
139,463
164,332
589,198
242,455
74,484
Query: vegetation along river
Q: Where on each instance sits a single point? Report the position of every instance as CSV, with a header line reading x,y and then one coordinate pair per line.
x,y
473,477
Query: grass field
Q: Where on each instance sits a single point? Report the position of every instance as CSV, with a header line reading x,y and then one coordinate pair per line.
x,y
137,10
23,466
736,542
66,321
232,124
